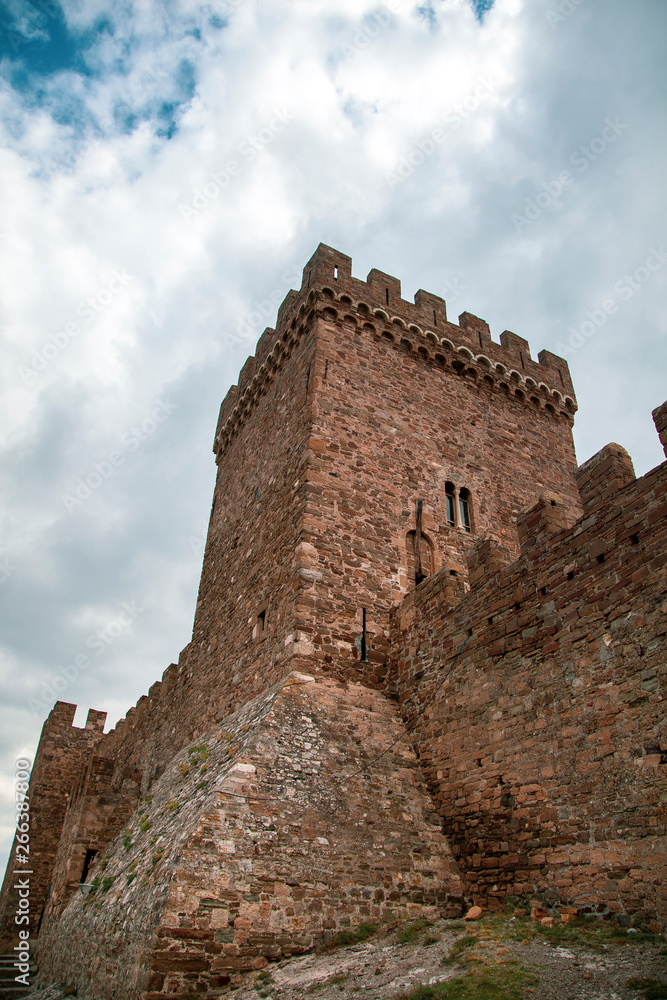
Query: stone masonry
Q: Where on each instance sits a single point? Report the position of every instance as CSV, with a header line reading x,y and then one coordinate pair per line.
x,y
400,538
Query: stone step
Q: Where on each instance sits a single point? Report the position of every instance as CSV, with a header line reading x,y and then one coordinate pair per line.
x,y
9,988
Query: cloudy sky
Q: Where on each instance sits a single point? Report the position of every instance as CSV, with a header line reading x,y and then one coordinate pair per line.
x,y
166,170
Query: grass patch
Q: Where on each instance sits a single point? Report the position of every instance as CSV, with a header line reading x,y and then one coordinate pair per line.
x,y
506,981
651,989
587,932
355,936
412,932
458,949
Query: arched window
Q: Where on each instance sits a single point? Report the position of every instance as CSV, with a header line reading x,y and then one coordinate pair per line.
x,y
450,504
464,508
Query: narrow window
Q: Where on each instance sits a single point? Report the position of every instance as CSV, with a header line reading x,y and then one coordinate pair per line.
x,y
335,274
88,860
419,551
464,508
634,539
386,295
363,634
449,503
435,319
326,368
419,569
261,621
522,361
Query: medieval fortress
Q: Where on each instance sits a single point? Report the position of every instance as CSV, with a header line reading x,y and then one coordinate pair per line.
x,y
427,668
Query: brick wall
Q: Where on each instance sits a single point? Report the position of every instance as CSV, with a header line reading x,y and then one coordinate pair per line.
x,y
545,745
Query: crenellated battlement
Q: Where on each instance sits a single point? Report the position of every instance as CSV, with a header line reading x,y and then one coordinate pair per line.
x,y
375,308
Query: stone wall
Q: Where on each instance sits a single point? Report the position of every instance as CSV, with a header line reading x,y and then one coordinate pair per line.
x,y
544,742
257,842
61,760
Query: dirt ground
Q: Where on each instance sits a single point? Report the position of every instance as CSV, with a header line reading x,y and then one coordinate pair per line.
x,y
589,960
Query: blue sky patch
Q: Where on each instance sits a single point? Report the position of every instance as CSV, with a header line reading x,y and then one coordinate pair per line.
x,y
481,7
38,39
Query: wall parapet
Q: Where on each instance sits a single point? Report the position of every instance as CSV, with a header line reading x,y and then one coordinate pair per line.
x,y
420,329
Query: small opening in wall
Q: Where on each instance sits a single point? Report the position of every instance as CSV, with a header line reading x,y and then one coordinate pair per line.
x,y
326,369
491,620
335,274
464,507
522,361
449,504
542,591
435,319
453,572
363,635
261,621
386,295
87,862
634,539
517,606
601,557
469,632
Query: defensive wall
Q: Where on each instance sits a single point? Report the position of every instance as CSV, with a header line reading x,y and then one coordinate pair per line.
x,y
544,739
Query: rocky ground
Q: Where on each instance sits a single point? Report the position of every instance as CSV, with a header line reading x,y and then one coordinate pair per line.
x,y
496,958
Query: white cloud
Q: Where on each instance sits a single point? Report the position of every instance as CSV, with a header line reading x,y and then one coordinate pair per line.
x,y
88,189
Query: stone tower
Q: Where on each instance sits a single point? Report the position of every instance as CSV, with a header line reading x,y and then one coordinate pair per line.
x,y
369,442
